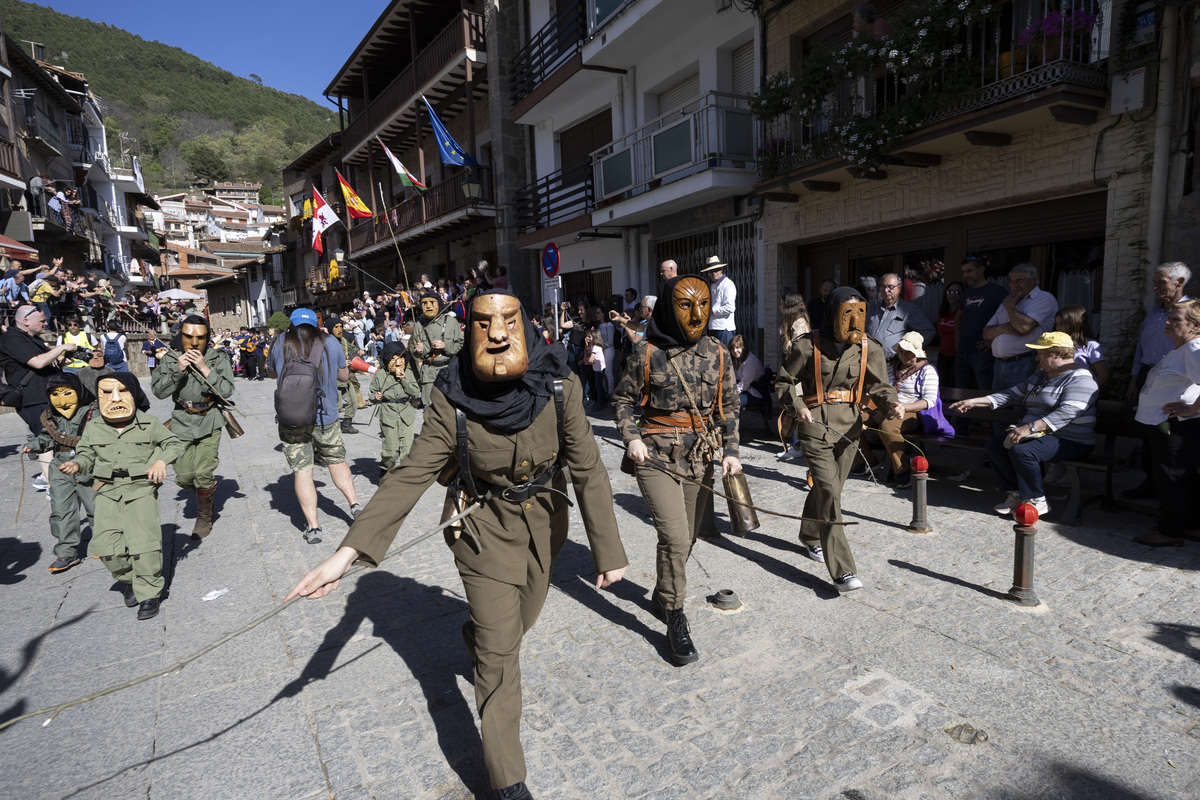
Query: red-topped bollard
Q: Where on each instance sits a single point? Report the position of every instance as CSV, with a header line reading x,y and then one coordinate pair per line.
x,y
920,477
1022,588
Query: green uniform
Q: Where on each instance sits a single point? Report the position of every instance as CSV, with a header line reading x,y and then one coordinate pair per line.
x,y
396,415
678,508
445,327
67,491
347,398
128,533
200,432
506,583
829,455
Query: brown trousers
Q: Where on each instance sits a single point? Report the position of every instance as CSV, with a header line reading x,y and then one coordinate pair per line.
x,y
891,434
678,511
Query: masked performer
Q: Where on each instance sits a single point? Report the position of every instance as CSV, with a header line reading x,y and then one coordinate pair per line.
x,y
497,417
394,388
62,424
347,397
436,337
685,386
127,455
825,380
197,419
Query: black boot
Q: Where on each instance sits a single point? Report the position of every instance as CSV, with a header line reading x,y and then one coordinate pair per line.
x,y
348,427
683,651
148,609
518,791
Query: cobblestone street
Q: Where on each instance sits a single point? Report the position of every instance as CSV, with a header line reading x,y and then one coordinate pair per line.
x,y
800,694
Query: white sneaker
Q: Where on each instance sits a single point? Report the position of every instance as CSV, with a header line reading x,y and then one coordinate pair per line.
x,y
847,583
40,483
1010,502
1040,504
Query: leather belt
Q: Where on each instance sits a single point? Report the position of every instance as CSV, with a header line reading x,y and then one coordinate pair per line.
x,y
669,423
201,407
1010,359
832,396
122,473
520,492
397,402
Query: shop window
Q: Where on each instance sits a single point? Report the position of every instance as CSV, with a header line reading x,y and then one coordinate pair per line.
x,y
1073,273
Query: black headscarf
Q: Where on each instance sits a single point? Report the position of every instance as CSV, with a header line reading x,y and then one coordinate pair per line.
x,y
72,380
838,296
664,329
333,322
390,351
176,343
510,406
130,382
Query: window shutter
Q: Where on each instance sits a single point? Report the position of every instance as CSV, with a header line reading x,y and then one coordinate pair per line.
x,y
676,97
743,69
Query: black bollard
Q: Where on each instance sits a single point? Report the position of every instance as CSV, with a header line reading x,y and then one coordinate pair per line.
x,y
920,479
1022,589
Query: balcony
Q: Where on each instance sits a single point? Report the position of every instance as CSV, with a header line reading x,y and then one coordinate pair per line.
x,y
557,205
1016,77
8,160
445,204
395,107
41,132
555,47
701,153
80,145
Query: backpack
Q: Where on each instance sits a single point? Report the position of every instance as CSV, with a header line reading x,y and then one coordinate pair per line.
x,y
298,393
113,353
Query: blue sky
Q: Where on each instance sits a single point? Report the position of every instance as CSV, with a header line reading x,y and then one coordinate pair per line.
x,y
295,46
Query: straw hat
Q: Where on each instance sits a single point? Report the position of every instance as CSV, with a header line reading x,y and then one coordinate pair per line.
x,y
913,342
713,262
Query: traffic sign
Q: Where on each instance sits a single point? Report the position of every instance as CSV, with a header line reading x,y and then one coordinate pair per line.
x,y
550,260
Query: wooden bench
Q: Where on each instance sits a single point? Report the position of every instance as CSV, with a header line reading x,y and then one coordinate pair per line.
x,y
1114,421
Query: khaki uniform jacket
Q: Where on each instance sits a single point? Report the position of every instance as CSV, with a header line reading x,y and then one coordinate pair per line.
x,y
445,327
133,449
407,389
507,531
797,378
166,380
700,364
44,443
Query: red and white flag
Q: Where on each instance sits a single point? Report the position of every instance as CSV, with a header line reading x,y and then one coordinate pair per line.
x,y
323,219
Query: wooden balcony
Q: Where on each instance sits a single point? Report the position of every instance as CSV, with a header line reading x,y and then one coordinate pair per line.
x,y
462,39
442,205
8,159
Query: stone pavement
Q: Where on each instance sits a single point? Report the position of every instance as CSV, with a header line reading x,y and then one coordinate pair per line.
x,y
801,694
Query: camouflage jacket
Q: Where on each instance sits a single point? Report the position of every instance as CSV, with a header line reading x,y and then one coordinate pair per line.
x,y
700,365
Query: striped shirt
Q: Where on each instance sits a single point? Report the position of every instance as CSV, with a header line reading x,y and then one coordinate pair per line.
x,y
1065,403
921,385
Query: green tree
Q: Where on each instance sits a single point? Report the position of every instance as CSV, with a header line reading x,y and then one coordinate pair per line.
x,y
205,161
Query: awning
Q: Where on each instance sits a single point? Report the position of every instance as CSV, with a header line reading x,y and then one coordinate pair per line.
x,y
142,199
14,249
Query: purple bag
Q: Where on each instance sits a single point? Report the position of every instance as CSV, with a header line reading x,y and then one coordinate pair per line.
x,y
933,420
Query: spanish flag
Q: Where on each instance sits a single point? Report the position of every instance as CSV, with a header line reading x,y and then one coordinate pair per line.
x,y
354,203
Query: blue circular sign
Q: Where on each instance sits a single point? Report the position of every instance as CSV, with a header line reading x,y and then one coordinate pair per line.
x,y
550,260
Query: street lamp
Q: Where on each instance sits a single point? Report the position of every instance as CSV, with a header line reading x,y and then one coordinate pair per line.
x,y
470,187
339,254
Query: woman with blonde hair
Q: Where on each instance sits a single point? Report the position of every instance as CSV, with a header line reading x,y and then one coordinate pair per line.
x,y
747,368
795,319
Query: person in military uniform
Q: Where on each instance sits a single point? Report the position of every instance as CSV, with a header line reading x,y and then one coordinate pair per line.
x,y
394,388
824,382
347,397
128,457
516,443
690,411
62,424
198,381
436,337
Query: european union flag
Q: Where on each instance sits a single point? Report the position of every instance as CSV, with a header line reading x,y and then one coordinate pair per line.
x,y
450,150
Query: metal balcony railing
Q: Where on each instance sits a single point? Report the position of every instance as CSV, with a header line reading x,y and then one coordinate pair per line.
x,y
547,50
467,31
441,199
1060,42
716,130
560,196
41,126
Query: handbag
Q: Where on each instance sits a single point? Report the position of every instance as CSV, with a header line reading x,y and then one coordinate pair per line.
x,y
933,420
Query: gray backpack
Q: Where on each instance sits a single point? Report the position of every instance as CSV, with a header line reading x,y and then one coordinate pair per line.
x,y
298,393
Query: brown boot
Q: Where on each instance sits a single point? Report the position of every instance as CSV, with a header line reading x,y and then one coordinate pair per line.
x,y
204,512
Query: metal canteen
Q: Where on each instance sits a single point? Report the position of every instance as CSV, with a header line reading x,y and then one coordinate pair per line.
x,y
743,518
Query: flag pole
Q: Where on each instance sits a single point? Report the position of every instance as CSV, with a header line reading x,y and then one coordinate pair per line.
x,y
392,231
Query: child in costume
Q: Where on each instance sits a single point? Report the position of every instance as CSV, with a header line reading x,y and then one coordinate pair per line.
x,y
394,388
63,423
127,455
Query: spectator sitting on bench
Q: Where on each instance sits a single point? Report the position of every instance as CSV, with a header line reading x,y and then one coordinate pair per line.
x,y
747,368
1058,424
916,382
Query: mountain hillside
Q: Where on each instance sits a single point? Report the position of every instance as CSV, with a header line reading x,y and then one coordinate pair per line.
x,y
187,119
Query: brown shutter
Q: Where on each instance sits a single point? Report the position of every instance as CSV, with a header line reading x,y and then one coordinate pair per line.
x,y
577,143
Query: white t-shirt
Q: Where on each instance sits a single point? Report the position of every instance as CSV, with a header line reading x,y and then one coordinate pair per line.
x,y
1174,379
597,358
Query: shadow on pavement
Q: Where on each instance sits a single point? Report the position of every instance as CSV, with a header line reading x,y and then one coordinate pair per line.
x,y
28,652
632,503
1178,638
16,556
941,576
782,569
283,499
433,652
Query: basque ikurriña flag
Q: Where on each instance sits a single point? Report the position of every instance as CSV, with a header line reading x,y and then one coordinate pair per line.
x,y
450,150
323,220
354,203
406,177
